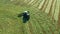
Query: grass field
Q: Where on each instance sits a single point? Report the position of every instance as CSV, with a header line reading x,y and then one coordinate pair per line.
x,y
39,22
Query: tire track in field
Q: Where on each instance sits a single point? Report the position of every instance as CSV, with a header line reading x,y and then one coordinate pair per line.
x,y
31,27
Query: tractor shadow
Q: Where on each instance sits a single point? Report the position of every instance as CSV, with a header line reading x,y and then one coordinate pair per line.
x,y
24,19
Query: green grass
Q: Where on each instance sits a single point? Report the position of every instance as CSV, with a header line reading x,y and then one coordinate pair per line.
x,y
39,22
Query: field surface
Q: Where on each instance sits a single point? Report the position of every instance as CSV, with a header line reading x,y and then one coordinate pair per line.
x,y
10,23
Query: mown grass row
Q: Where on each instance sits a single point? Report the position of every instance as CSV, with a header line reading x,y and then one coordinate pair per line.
x,y
48,6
